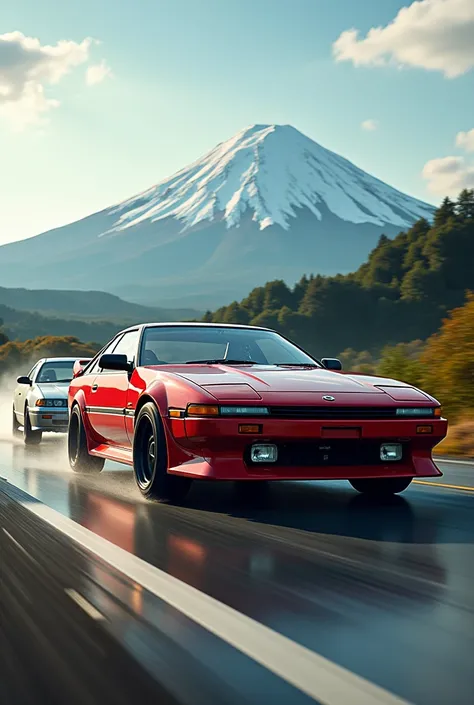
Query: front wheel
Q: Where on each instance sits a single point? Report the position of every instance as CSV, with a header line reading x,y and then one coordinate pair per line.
x,y
381,487
150,460
79,458
30,437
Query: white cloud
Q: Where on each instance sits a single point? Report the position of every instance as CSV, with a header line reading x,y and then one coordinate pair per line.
x,y
432,34
465,140
447,176
27,68
370,125
98,73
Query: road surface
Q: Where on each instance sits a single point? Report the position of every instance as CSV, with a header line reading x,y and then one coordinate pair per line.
x,y
330,589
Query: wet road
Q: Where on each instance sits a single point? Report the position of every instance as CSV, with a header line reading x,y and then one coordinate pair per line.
x,y
384,591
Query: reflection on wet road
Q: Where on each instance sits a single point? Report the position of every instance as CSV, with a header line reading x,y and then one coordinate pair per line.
x,y
384,590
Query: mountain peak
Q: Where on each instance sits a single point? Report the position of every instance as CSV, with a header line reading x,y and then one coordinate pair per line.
x,y
271,172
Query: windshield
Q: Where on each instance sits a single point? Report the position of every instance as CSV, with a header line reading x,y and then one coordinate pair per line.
x,y
191,344
55,371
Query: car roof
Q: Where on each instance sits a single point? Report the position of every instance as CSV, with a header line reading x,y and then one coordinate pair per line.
x,y
60,359
196,324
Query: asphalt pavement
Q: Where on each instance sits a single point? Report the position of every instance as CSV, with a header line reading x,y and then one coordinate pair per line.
x,y
382,591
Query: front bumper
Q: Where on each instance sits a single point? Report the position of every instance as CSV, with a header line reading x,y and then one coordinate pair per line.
x,y
214,448
44,419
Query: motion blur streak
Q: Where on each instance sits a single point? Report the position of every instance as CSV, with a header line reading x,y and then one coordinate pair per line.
x,y
379,590
313,674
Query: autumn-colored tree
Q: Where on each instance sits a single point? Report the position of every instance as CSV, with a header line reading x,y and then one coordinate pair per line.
x,y
448,362
13,355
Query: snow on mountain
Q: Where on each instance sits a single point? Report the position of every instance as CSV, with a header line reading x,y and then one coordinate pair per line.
x,y
267,204
271,171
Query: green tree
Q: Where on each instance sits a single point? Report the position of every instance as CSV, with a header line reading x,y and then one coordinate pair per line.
x,y
277,295
420,284
235,313
465,204
446,211
402,362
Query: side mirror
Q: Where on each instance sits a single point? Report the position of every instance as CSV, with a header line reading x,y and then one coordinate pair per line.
x,y
332,363
78,367
24,380
115,362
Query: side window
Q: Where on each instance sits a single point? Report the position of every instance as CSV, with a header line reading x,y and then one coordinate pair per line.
x,y
95,369
127,345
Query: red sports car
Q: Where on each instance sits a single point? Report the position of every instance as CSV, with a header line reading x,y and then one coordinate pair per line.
x,y
189,401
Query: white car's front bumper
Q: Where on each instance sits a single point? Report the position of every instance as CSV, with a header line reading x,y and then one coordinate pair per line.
x,y
46,419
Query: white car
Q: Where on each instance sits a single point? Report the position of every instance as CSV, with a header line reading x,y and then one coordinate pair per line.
x,y
40,399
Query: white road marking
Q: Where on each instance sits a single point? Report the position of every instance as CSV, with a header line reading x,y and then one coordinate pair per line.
x,y
455,462
83,603
306,670
16,542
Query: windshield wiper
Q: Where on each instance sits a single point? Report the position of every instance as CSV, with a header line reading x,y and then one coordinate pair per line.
x,y
222,361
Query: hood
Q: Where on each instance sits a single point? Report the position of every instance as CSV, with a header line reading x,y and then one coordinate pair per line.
x,y
51,390
279,385
253,382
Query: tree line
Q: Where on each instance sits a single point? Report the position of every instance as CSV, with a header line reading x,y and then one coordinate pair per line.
x,y
20,356
402,293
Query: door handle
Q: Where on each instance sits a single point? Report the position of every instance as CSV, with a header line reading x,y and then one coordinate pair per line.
x,y
95,387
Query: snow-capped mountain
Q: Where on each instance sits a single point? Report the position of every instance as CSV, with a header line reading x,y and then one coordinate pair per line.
x,y
271,171
267,203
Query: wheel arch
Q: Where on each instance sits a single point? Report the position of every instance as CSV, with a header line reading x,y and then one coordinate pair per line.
x,y
79,400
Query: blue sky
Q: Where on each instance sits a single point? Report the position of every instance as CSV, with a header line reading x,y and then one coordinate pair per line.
x,y
187,74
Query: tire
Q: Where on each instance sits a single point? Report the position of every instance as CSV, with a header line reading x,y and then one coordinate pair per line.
x,y
79,458
31,438
381,487
15,426
150,460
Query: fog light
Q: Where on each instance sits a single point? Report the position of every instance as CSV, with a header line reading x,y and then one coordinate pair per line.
x,y
263,453
391,451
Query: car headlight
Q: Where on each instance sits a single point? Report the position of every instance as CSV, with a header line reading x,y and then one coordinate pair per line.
x,y
244,411
58,403
214,410
419,412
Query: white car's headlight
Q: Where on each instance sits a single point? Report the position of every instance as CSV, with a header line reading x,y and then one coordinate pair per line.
x,y
58,403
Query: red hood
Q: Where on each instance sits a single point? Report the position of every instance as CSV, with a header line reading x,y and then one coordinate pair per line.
x,y
228,383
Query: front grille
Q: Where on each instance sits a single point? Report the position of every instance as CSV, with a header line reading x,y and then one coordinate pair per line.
x,y
329,453
347,413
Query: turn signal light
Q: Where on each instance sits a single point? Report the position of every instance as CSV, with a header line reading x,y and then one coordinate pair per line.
x,y
202,410
176,413
250,428
41,402
437,411
424,429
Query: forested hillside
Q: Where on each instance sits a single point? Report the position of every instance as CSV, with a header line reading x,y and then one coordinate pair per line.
x,y
401,294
